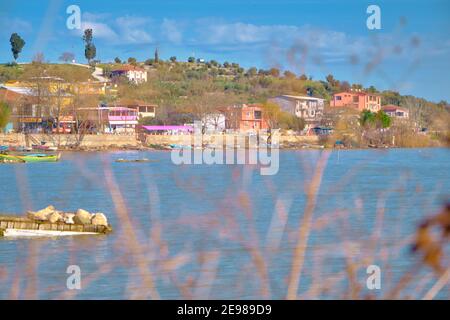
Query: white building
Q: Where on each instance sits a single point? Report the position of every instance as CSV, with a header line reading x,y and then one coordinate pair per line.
x,y
133,73
308,108
395,111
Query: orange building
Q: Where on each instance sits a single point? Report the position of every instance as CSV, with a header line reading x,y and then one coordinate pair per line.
x,y
245,118
358,100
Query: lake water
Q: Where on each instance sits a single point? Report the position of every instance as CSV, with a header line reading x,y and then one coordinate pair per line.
x,y
222,231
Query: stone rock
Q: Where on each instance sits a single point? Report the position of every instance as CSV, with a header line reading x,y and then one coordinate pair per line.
x,y
54,217
82,217
99,219
41,215
68,218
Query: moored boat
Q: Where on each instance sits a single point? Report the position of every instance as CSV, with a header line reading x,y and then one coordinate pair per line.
x,y
43,147
26,158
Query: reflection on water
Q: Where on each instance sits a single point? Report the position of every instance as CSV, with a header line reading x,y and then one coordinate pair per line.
x,y
222,231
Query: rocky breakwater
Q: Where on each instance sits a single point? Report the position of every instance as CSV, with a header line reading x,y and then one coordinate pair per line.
x,y
52,221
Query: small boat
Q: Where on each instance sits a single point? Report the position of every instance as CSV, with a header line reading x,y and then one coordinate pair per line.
x,y
20,149
33,157
4,148
43,147
178,146
135,160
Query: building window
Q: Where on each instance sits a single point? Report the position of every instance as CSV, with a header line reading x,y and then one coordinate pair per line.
x,y
339,98
258,115
355,99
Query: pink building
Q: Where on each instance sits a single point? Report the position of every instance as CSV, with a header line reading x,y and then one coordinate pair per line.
x,y
122,119
358,100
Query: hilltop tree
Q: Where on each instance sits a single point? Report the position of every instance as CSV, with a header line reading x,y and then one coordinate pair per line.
x,y
89,51
289,75
357,86
156,55
252,72
372,89
67,57
38,58
132,61
303,77
17,44
173,59
344,86
191,59
117,60
274,72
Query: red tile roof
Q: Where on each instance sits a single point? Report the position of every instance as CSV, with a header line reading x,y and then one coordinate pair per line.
x,y
360,93
392,107
128,67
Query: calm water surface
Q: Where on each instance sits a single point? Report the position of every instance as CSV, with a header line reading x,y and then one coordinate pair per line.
x,y
197,226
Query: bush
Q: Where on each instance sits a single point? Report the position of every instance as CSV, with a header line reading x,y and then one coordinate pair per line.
x,y
5,113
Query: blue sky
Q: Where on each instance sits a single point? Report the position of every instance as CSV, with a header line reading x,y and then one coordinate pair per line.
x,y
411,52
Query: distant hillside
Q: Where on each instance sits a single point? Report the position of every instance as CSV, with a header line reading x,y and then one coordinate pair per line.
x,y
177,86
68,72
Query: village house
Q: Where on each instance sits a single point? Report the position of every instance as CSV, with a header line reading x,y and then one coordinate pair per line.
x,y
143,109
357,99
245,118
395,111
122,120
308,108
133,73
33,111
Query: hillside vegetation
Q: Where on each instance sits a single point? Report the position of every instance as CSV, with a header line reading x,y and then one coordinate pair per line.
x,y
68,72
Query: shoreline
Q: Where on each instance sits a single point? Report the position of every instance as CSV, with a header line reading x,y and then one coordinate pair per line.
x,y
163,149
99,143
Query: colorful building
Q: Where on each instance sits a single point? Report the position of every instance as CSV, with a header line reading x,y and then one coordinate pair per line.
x,y
144,110
357,99
396,111
122,119
245,118
34,111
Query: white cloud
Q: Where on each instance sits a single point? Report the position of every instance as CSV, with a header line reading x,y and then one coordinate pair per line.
x,y
99,30
171,31
133,29
123,30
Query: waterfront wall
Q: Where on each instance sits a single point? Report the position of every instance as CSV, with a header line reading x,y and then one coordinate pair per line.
x,y
123,141
212,139
70,140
